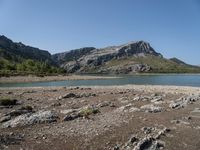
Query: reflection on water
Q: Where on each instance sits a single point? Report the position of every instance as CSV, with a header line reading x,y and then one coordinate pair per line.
x,y
180,80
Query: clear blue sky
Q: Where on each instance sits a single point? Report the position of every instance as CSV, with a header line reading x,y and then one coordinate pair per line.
x,y
172,27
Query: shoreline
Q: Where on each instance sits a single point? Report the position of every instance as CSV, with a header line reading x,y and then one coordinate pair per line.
x,y
26,79
149,88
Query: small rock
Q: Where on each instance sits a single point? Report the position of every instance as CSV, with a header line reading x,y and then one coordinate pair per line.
x,y
151,108
70,95
70,117
56,104
134,109
147,130
156,99
5,118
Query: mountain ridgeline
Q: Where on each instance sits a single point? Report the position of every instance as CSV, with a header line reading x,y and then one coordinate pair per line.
x,y
130,58
18,59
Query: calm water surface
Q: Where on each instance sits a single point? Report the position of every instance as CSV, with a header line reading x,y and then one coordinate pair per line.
x,y
180,80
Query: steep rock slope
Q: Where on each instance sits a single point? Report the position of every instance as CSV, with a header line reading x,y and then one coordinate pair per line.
x,y
132,57
16,51
96,60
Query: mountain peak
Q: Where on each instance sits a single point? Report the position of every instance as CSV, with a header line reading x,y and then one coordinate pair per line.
x,y
138,47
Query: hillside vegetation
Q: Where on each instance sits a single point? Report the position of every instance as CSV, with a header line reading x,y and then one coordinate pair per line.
x,y
19,59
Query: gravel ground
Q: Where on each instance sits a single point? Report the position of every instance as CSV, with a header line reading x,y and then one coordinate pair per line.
x,y
113,117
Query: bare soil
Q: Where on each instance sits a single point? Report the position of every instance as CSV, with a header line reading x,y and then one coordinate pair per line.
x,y
112,127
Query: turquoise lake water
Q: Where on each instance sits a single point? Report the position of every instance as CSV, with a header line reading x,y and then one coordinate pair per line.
x,y
175,79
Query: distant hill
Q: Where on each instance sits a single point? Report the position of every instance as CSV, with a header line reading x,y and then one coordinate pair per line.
x,y
128,58
18,58
17,51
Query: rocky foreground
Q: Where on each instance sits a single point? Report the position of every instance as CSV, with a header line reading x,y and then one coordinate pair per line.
x,y
116,118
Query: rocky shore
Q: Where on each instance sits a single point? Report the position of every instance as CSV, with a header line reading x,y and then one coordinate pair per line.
x,y
127,117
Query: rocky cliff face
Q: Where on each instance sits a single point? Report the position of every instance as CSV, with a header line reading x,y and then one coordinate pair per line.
x,y
71,55
87,60
14,51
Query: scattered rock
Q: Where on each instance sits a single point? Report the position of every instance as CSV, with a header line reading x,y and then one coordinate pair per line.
x,y
105,104
116,148
134,109
56,104
147,130
71,116
31,118
142,98
124,108
70,95
157,99
20,111
183,101
9,92
87,95
10,139
148,143
151,108
5,118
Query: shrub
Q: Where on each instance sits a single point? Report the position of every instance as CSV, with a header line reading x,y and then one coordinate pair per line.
x,y
88,111
28,108
7,101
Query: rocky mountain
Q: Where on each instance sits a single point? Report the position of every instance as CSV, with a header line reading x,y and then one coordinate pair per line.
x,y
19,59
71,55
132,57
128,58
17,51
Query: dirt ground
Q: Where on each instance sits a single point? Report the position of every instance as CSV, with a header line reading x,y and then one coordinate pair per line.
x,y
98,118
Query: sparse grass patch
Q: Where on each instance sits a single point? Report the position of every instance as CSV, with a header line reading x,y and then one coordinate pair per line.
x,y
88,111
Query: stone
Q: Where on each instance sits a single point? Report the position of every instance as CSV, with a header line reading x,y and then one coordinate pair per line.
x,y
151,108
147,130
156,99
71,116
70,95
134,109
148,143
31,118
5,118
183,101
56,104
103,104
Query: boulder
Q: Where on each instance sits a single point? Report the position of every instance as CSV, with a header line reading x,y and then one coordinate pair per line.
x,y
31,118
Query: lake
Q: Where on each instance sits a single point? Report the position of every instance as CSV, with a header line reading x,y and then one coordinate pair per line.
x,y
161,79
